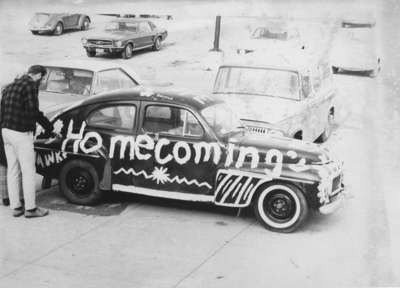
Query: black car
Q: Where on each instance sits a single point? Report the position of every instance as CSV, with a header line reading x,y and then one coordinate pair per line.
x,y
180,146
125,35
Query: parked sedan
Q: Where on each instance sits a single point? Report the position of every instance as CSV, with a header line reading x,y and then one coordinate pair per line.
x,y
70,81
176,145
57,23
267,38
125,35
356,49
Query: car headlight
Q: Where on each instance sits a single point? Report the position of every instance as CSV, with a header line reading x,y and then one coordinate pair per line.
x,y
118,43
84,41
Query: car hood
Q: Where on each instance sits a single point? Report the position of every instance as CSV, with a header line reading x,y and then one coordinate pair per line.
x,y
292,150
261,108
117,35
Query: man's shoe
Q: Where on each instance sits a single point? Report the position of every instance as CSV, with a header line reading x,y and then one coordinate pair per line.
x,y
18,212
37,212
6,202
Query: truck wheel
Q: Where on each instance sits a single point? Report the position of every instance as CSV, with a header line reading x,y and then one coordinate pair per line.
x,y
281,207
90,53
85,24
157,44
79,182
59,29
127,52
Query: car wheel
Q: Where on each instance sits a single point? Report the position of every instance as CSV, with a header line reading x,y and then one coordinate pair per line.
x,y
127,52
59,29
90,53
85,24
35,32
335,70
79,182
157,44
281,207
328,129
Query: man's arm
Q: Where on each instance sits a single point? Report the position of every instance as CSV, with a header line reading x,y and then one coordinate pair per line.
x,y
32,107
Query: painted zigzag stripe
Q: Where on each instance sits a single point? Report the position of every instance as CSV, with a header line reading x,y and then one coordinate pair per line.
x,y
176,179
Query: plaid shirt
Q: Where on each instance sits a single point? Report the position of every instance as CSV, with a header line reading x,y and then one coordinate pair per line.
x,y
20,106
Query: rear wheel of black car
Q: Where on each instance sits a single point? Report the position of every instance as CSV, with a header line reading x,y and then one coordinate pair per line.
x,y
35,32
58,30
90,53
127,52
281,207
335,70
157,44
85,24
79,182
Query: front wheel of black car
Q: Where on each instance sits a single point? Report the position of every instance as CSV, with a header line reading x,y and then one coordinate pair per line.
x,y
79,182
34,32
127,52
157,44
58,30
281,207
90,53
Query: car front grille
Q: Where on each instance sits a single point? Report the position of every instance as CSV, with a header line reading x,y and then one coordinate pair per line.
x,y
257,130
100,42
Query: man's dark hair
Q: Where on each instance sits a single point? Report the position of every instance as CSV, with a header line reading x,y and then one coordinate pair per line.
x,y
35,69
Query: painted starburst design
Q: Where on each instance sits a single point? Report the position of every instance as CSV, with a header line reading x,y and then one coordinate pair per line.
x,y
160,175
58,125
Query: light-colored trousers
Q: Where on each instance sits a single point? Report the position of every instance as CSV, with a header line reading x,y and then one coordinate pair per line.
x,y
20,160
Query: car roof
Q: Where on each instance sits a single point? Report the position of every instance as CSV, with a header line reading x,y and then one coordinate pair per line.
x,y
162,95
93,65
129,20
294,60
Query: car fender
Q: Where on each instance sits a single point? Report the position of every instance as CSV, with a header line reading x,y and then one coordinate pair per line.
x,y
237,188
82,18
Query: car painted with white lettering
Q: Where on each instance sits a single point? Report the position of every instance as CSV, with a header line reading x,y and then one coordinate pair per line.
x,y
172,144
293,93
57,23
74,80
123,36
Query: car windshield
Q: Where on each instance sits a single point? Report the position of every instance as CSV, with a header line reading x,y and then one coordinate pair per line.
x,y
222,119
258,81
68,80
40,18
122,26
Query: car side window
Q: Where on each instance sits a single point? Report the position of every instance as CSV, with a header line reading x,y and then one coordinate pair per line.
x,y
68,80
144,27
113,117
112,79
172,121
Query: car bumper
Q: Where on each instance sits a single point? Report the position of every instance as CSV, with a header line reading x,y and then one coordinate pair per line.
x,y
335,202
108,49
41,29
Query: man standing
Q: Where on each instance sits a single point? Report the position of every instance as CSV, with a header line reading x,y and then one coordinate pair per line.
x,y
19,115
